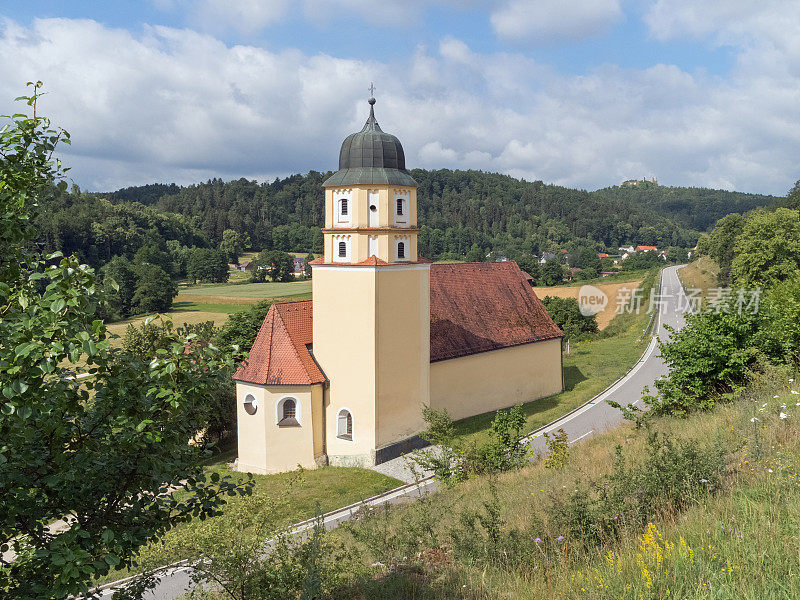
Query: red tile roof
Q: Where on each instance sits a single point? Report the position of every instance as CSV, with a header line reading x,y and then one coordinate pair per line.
x,y
645,248
475,307
280,355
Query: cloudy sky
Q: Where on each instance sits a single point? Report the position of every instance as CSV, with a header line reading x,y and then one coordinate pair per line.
x,y
583,93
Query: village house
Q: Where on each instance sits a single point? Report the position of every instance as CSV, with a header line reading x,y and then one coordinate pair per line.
x,y
342,379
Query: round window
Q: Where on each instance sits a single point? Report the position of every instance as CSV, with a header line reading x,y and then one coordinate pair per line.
x,y
250,404
373,208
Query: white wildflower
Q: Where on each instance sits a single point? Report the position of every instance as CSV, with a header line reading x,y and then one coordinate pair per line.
x,y
783,415
754,419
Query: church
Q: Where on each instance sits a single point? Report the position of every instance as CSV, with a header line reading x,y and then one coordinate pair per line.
x,y
342,379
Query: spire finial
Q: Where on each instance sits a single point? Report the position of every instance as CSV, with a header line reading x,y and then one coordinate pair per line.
x,y
371,89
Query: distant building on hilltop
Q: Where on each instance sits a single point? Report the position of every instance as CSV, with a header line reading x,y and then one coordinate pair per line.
x,y
635,182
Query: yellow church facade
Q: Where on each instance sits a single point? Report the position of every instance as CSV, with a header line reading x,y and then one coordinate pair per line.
x,y
342,379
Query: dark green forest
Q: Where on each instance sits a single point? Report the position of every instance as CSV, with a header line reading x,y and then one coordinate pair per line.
x,y
457,209
695,208
461,214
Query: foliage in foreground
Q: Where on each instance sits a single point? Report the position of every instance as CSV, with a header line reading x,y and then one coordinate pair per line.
x,y
712,357
92,439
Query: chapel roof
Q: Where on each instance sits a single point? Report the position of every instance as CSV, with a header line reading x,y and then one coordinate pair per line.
x,y
280,353
475,307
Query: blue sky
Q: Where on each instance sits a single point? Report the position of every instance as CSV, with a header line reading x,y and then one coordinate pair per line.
x,y
584,93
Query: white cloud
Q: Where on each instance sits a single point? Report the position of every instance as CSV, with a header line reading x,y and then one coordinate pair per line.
x,y
176,105
551,20
385,12
734,22
247,16
252,16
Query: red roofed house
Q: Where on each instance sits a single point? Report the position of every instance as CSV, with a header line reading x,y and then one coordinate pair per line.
x,y
342,379
645,248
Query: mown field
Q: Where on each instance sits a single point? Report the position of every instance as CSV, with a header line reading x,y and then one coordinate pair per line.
x,y
256,291
196,304
616,293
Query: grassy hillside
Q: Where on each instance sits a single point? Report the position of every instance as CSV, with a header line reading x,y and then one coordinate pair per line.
x,y
701,507
326,488
700,275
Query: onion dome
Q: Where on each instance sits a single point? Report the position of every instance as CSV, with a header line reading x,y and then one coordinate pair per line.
x,y
371,157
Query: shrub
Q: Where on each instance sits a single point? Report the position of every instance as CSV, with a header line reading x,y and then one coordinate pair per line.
x,y
566,313
670,477
557,449
452,460
242,327
709,360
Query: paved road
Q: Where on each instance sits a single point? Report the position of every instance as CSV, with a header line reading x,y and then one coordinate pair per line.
x,y
598,416
590,419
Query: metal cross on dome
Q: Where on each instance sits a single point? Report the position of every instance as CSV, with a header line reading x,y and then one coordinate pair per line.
x,y
371,89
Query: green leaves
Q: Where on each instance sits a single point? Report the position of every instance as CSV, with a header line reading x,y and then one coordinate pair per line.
x,y
58,305
86,430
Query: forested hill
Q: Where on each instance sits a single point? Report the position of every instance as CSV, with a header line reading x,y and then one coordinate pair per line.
x,y
696,208
457,210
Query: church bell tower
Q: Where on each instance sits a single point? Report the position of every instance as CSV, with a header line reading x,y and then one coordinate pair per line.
x,y
371,310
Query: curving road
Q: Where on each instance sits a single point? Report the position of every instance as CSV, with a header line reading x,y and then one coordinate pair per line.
x,y
584,422
597,416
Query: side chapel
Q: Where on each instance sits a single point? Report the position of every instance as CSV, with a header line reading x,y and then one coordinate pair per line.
x,y
342,379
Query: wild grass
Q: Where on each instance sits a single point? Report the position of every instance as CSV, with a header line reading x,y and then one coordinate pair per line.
x,y
700,274
711,509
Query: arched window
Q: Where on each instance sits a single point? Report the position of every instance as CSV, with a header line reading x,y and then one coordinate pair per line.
x,y
344,206
289,409
342,250
401,250
287,413
344,425
399,206
250,404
